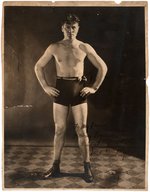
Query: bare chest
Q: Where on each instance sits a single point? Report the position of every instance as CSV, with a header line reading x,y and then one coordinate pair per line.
x,y
69,54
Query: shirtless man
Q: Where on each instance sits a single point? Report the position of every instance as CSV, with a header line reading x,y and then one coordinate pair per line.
x,y
70,90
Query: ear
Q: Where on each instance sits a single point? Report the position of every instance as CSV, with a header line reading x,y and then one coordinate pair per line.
x,y
62,28
78,26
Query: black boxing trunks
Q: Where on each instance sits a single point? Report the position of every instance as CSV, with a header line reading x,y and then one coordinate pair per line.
x,y
70,88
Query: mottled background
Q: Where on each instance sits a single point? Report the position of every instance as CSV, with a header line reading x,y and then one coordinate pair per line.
x,y
116,111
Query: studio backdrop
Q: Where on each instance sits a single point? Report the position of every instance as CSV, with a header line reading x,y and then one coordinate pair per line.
x,y
117,113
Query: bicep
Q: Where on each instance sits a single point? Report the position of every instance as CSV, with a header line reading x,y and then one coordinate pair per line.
x,y
45,58
95,59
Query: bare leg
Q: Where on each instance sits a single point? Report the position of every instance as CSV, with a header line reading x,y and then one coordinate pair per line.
x,y
80,118
60,113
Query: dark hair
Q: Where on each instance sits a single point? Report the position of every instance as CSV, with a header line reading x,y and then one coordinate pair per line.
x,y
70,19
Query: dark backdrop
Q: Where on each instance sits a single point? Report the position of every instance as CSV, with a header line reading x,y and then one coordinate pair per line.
x,y
116,111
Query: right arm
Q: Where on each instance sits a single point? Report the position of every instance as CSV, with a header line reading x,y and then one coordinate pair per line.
x,y
41,63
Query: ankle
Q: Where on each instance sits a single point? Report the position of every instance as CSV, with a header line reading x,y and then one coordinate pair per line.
x,y
87,163
87,166
56,161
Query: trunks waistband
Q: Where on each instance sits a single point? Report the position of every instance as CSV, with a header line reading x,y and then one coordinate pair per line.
x,y
73,78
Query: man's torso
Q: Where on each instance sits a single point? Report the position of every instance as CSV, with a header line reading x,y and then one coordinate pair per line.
x,y
69,58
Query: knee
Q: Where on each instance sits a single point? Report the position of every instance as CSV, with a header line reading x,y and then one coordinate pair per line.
x,y
81,130
60,130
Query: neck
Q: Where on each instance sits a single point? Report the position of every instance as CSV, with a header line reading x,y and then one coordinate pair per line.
x,y
69,40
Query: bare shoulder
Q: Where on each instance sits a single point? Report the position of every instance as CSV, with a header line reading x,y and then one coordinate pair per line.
x,y
52,47
86,47
59,43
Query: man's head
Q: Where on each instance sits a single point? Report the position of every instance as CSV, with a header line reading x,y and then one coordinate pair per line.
x,y
71,19
70,26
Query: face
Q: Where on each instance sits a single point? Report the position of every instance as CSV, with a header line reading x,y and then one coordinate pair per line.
x,y
70,30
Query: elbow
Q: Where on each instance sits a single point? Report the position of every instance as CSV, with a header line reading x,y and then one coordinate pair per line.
x,y
36,68
105,69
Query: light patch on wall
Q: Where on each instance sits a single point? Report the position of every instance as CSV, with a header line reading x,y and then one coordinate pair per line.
x,y
6,107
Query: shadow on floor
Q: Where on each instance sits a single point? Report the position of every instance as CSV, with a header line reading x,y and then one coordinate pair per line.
x,y
37,175
110,181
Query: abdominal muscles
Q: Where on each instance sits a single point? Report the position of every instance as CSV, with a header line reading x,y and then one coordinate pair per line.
x,y
69,69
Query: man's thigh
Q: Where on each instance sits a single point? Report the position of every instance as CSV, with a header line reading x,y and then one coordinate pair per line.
x,y
80,113
60,113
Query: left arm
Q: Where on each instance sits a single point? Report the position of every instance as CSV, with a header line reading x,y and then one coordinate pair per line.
x,y
101,67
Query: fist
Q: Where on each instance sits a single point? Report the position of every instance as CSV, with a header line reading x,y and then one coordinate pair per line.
x,y
87,91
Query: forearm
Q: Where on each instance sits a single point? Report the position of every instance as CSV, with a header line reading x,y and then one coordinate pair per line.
x,y
100,77
40,76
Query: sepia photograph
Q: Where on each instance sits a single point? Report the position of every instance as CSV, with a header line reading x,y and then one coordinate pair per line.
x,y
74,95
